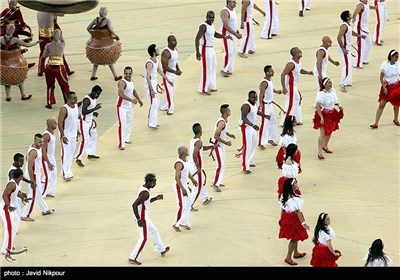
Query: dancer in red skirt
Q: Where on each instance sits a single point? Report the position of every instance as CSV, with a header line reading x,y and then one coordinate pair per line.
x,y
323,254
290,169
287,137
326,117
292,223
390,87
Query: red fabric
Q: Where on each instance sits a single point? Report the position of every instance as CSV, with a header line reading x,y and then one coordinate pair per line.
x,y
291,228
281,181
56,72
331,120
393,95
280,158
322,257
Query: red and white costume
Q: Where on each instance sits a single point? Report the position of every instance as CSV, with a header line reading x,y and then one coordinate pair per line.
x,y
92,142
50,176
271,24
321,255
125,114
147,227
183,202
70,125
304,5
249,137
293,96
284,141
381,19
229,44
85,123
9,218
248,40
18,205
168,103
268,129
290,225
324,66
219,154
208,80
363,45
347,76
153,101
331,116
288,171
391,74
201,178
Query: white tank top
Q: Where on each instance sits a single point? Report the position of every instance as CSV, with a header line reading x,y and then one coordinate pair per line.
x,y
232,23
19,186
12,197
208,37
88,117
128,91
153,74
184,173
362,19
71,121
143,208
269,92
346,38
222,135
199,155
251,116
173,60
324,65
51,145
295,72
248,15
37,167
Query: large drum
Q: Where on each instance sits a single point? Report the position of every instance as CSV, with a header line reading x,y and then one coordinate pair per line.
x,y
14,68
102,49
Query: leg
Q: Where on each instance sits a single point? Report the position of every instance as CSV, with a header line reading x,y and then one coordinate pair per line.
x,y
94,71
158,244
140,243
244,45
84,129
129,121
291,247
112,68
203,86
121,114
326,141
8,91
396,113
379,111
321,140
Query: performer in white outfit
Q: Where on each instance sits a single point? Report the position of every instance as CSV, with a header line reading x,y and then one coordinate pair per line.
x,y
49,163
89,105
68,121
360,21
248,44
219,153
196,149
249,112
229,27
33,171
141,207
205,52
304,5
92,142
126,92
169,61
321,61
268,129
150,84
289,80
181,189
381,19
271,24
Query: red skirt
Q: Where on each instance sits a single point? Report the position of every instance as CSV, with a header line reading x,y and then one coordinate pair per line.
x,y
322,257
393,95
331,120
291,228
280,158
281,181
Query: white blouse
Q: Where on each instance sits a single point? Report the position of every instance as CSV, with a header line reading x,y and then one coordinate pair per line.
x,y
290,171
292,204
285,140
323,237
391,71
327,99
378,262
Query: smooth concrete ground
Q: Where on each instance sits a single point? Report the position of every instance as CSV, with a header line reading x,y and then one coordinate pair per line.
x,y
358,185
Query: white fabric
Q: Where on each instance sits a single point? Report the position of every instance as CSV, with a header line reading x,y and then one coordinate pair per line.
x,y
292,204
286,139
391,71
324,237
50,176
182,202
290,171
153,101
378,262
168,103
271,24
326,99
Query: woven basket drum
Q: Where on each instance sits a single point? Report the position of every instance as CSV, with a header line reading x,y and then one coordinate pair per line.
x,y
14,68
102,49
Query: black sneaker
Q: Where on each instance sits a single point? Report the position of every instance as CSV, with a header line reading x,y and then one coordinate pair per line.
x,y
78,162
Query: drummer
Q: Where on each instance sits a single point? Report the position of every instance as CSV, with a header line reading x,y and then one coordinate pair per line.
x,y
9,42
102,22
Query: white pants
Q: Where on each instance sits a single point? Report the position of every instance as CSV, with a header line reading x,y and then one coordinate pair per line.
x,y
219,155
183,206
67,157
271,24
268,129
230,54
36,196
125,120
153,110
292,105
92,143
208,78
249,140
381,19
148,226
84,128
363,46
304,4
17,216
49,177
168,103
9,228
248,41
200,189
347,76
